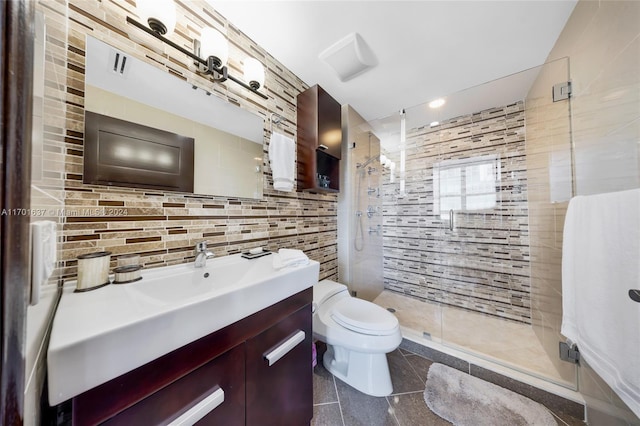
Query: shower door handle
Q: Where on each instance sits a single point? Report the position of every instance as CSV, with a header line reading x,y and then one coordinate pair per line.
x,y
451,220
634,295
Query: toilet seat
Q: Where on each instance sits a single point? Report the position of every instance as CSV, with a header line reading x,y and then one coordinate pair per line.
x,y
364,317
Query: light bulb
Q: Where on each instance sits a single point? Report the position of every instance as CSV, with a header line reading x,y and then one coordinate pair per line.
x,y
159,15
213,43
253,73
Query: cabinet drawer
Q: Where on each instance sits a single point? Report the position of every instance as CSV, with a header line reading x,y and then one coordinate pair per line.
x,y
226,372
279,373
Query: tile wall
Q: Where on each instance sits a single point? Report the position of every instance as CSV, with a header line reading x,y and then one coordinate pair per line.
x,y
483,264
163,226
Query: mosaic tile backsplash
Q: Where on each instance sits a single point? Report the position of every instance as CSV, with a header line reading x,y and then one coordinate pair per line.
x,y
163,227
475,165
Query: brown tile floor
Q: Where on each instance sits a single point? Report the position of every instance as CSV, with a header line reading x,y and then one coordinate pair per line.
x,y
337,404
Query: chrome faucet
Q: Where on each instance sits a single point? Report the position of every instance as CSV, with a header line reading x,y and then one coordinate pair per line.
x,y
202,254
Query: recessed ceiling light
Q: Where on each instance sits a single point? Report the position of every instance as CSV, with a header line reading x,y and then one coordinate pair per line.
x,y
434,123
436,103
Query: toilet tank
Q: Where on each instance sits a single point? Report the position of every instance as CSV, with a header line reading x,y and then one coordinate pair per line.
x,y
326,289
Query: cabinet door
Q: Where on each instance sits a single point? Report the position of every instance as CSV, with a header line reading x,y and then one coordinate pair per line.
x,y
281,393
329,124
204,386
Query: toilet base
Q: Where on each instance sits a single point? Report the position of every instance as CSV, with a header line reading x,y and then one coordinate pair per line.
x,y
367,372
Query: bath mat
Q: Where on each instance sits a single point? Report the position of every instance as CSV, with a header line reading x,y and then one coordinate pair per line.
x,y
466,400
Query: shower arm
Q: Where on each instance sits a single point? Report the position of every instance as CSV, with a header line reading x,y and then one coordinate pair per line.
x,y
366,163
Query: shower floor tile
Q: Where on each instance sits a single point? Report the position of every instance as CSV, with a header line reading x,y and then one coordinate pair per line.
x,y
507,342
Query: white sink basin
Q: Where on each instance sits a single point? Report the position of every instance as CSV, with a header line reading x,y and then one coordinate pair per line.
x,y
102,334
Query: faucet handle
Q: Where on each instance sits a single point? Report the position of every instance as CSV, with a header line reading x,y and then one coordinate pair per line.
x,y
201,246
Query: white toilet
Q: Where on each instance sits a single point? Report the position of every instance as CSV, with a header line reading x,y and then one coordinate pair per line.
x,y
358,335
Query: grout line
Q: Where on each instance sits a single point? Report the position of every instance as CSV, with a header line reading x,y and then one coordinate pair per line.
x,y
558,418
392,410
325,403
405,393
412,367
338,398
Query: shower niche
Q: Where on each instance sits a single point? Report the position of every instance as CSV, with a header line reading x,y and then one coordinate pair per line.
x,y
319,141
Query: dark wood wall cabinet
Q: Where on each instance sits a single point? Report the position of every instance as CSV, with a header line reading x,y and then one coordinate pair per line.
x,y
319,140
256,371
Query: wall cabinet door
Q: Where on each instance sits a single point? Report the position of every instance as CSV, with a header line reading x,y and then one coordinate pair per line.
x,y
329,124
319,140
281,393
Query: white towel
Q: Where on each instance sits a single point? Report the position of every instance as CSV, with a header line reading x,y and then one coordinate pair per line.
x,y
289,257
600,264
282,156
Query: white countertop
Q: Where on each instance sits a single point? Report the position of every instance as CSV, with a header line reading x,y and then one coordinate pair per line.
x,y
104,333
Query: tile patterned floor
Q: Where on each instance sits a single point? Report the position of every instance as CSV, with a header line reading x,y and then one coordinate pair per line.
x,y
338,404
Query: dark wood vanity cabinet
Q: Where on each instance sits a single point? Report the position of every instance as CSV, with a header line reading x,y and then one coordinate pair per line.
x,y
235,360
277,394
319,140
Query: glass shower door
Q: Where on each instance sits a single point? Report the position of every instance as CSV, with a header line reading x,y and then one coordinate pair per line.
x,y
473,213
500,191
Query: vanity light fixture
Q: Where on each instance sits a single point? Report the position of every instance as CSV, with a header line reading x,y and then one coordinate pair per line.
x,y
213,45
253,73
160,15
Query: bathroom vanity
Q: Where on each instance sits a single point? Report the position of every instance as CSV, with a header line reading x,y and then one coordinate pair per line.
x,y
251,365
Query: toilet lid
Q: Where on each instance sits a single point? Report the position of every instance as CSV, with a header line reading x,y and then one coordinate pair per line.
x,y
364,317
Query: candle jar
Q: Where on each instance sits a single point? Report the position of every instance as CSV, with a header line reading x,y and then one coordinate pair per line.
x,y
93,270
127,274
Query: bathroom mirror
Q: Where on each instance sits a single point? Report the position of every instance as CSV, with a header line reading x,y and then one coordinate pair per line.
x,y
227,139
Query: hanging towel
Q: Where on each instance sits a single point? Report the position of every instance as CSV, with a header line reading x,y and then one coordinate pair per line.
x,y
289,257
600,264
282,156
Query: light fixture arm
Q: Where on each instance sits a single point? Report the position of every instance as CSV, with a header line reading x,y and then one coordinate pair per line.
x,y
222,73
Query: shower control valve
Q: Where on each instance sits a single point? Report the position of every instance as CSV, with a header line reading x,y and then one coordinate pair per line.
x,y
375,230
372,210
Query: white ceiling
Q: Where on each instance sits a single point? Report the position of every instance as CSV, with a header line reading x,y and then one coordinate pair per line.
x,y
425,49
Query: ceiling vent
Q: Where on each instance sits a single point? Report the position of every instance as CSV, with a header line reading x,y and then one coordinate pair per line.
x,y
349,57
